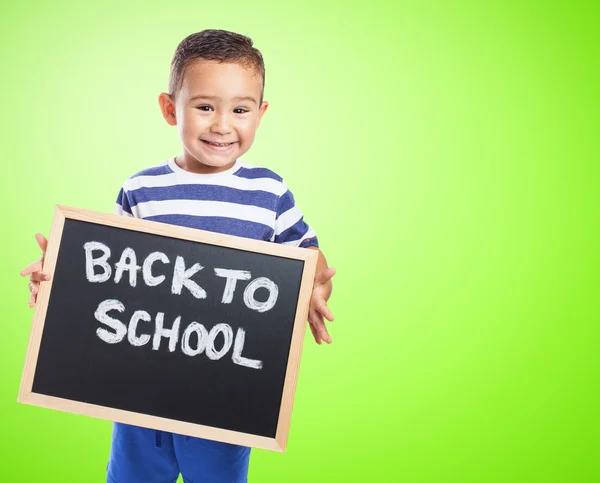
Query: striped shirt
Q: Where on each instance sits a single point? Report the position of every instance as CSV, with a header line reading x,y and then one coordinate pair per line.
x,y
244,200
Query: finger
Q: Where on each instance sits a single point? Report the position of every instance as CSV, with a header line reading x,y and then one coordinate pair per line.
x,y
32,267
34,287
319,325
324,311
32,300
39,277
325,276
320,303
313,329
314,333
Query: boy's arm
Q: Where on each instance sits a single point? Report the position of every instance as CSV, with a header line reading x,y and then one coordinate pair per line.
x,y
318,303
291,228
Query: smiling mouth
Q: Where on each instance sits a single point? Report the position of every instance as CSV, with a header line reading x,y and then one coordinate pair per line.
x,y
220,145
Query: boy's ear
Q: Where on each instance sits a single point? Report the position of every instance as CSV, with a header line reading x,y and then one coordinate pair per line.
x,y
167,107
261,111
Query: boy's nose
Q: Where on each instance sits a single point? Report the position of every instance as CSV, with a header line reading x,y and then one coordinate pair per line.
x,y
221,124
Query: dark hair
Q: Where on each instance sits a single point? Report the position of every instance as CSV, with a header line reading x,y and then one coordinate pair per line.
x,y
218,45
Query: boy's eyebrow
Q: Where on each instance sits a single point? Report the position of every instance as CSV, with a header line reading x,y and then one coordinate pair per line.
x,y
217,98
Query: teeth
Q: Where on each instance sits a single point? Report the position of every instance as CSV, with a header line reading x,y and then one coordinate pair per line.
x,y
219,144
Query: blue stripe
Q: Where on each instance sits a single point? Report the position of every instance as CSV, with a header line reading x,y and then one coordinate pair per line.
x,y
285,203
218,224
154,171
124,202
310,242
262,199
255,173
293,233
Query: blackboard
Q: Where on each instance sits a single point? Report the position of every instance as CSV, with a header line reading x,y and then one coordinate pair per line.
x,y
169,328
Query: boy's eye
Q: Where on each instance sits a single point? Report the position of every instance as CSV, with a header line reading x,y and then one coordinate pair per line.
x,y
240,110
204,108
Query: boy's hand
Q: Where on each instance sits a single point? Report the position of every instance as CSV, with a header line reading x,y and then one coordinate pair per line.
x,y
318,305
34,270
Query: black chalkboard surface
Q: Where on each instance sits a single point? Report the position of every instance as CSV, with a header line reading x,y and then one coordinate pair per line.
x,y
170,328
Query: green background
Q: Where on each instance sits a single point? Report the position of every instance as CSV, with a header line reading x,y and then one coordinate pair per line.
x,y
446,153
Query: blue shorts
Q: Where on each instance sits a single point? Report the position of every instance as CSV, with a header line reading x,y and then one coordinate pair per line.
x,y
141,455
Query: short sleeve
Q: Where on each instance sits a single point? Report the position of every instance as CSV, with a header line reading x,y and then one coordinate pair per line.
x,y
123,207
290,227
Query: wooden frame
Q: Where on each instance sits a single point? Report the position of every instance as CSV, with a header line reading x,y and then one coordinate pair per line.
x,y
275,444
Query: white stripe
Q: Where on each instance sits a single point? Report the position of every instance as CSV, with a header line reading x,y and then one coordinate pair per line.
x,y
172,179
287,219
205,208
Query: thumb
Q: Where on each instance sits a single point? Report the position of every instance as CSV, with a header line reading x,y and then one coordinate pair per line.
x,y
325,276
42,242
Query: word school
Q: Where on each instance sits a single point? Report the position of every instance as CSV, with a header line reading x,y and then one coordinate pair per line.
x,y
206,339
114,330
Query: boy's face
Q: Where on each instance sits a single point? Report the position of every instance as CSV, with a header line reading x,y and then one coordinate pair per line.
x,y
217,113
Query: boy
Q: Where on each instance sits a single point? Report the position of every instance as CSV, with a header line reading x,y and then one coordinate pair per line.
x,y
215,99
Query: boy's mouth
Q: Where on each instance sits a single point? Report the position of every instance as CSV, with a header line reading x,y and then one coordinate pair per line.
x,y
219,145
